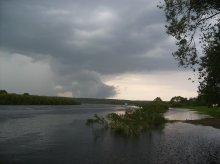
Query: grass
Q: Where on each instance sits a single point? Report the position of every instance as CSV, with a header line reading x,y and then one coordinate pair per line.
x,y
214,112
133,123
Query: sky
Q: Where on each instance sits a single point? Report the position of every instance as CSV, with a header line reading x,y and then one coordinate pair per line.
x,y
96,49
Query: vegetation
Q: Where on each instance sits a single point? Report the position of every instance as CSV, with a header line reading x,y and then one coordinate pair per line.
x,y
178,101
26,99
209,89
3,92
109,101
195,104
133,123
195,26
214,112
158,99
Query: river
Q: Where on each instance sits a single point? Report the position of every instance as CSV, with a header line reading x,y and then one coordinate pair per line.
x,y
58,134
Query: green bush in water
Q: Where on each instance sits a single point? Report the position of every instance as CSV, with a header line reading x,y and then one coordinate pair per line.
x,y
147,117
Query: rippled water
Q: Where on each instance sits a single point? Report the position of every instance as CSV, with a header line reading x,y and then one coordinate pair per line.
x,y
58,134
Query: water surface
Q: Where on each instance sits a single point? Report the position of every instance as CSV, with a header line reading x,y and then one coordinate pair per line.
x,y
58,134
183,114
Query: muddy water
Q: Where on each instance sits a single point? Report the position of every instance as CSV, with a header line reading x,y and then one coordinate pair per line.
x,y
57,134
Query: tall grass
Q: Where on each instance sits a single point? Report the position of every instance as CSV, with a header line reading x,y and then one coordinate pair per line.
x,y
133,123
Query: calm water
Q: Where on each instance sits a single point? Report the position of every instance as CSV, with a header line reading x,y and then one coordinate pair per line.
x,y
183,114
58,134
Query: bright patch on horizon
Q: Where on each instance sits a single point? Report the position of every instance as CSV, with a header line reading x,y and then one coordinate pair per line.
x,y
65,94
149,86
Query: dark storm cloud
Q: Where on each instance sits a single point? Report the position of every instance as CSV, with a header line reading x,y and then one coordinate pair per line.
x,y
107,37
88,84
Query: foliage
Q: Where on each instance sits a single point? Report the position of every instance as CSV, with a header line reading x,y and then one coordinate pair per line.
x,y
26,99
157,107
133,123
3,92
187,18
209,89
195,24
109,101
178,101
158,99
26,94
98,120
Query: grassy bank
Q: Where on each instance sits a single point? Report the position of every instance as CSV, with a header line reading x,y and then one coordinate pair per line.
x,y
214,112
133,123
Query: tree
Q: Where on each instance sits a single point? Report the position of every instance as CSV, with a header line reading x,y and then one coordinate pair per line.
x,y
209,89
178,101
195,24
158,99
187,19
3,92
26,94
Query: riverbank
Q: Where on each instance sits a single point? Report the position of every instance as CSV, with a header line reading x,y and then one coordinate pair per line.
x,y
214,122
213,112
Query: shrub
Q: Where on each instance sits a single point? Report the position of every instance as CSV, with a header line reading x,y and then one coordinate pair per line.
x,y
133,123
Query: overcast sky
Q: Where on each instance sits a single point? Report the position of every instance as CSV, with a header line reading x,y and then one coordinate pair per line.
x,y
89,48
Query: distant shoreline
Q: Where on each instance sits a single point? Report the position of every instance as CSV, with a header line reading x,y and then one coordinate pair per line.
x,y
26,99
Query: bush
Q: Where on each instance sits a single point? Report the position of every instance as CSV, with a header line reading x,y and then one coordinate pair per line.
x,y
133,123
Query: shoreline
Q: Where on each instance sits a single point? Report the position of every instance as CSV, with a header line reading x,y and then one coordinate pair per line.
x,y
213,122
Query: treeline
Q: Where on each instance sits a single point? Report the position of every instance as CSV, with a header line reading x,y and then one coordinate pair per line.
x,y
26,99
109,101
179,101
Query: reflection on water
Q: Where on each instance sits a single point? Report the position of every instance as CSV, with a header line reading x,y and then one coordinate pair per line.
x,y
58,134
183,114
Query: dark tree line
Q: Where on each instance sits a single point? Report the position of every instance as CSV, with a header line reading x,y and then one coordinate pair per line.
x,y
26,99
179,101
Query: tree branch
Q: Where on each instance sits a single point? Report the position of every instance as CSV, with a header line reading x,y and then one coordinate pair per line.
x,y
208,17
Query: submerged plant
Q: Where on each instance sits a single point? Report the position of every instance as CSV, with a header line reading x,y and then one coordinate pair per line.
x,y
98,120
133,123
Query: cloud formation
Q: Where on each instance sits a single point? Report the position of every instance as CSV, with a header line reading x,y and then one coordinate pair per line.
x,y
84,40
19,74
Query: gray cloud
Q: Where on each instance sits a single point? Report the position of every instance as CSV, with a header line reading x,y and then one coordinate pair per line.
x,y
104,37
89,84
19,74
